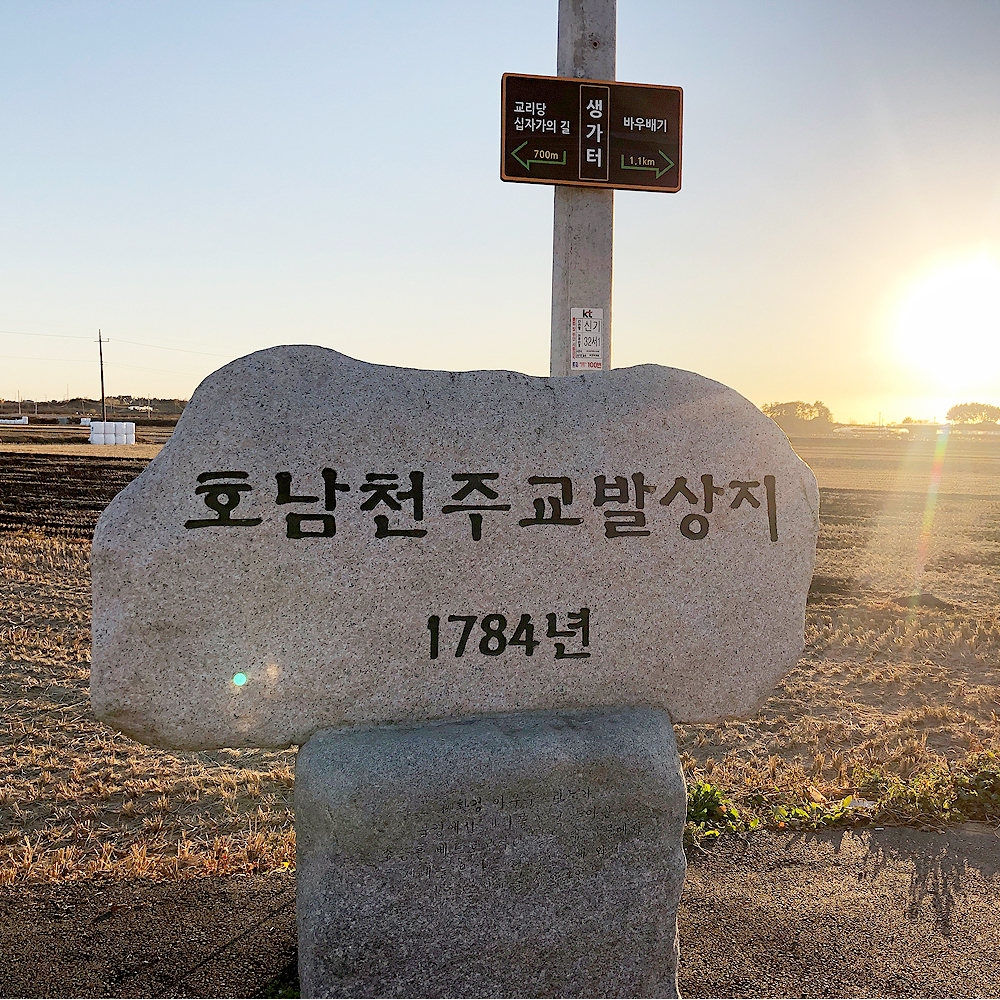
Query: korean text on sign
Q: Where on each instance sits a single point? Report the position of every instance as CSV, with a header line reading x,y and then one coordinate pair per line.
x,y
396,503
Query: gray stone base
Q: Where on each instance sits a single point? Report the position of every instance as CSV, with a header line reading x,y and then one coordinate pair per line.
x,y
518,855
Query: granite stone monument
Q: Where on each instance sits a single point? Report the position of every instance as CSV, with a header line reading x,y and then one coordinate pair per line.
x,y
476,600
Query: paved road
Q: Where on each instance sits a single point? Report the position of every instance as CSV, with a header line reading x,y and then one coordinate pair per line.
x,y
893,913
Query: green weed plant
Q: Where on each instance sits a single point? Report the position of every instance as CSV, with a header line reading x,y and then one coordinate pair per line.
x,y
967,791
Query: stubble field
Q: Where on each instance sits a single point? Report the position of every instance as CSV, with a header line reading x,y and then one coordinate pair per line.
x,y
894,702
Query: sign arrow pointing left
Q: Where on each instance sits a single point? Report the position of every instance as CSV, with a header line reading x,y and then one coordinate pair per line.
x,y
527,163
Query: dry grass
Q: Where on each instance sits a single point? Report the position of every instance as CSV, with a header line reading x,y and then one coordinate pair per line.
x,y
885,687
78,800
879,689
882,689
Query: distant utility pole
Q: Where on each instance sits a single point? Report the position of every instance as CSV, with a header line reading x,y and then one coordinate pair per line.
x,y
584,217
100,351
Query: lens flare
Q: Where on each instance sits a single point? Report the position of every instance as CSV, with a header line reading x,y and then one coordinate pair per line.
x,y
928,522
239,679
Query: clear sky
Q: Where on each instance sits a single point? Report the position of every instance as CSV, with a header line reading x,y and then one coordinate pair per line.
x,y
220,177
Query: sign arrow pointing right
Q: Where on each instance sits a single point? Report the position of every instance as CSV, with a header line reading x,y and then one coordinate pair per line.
x,y
670,163
659,171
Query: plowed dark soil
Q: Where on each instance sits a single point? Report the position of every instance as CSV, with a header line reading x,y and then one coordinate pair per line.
x,y
62,493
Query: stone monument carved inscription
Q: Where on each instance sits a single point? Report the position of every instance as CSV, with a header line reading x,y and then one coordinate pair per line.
x,y
328,543
479,830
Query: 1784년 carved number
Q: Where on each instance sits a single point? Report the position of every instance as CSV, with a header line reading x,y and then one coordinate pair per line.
x,y
496,634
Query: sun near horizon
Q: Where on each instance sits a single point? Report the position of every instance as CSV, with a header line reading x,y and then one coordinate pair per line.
x,y
946,328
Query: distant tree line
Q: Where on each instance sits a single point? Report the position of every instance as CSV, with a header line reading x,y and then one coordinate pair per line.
x,y
82,404
974,413
798,417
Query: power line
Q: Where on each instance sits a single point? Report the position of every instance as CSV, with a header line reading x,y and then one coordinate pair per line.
x,y
93,361
60,336
73,361
167,371
136,343
118,340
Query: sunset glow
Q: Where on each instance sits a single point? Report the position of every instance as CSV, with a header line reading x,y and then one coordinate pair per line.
x,y
836,237
949,323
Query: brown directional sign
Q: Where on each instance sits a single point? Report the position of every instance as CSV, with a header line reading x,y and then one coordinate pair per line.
x,y
593,133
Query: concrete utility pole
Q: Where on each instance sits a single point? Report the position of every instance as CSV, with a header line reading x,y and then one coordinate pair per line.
x,y
100,350
584,217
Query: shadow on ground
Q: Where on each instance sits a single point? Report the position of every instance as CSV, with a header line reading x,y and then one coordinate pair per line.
x,y
890,913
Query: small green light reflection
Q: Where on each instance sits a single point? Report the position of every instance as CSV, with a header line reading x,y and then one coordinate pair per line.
x,y
239,679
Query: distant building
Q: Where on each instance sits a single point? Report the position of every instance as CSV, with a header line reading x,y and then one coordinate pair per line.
x,y
923,432
975,430
868,431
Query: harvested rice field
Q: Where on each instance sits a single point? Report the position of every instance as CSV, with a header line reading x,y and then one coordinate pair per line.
x,y
899,676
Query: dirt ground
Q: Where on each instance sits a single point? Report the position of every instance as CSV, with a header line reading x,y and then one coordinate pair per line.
x,y
126,871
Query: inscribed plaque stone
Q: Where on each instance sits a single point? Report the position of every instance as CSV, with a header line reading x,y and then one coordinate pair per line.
x,y
520,855
325,543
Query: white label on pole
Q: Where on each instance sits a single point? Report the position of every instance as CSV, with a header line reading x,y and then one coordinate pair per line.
x,y
586,337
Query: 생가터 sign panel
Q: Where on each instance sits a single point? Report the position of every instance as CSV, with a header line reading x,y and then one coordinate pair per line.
x,y
328,543
593,133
